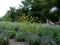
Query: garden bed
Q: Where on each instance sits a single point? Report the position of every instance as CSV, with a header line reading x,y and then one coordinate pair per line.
x,y
29,34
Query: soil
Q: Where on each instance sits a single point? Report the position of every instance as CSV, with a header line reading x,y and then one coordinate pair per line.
x,y
13,42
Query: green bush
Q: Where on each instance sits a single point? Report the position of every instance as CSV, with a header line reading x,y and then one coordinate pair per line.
x,y
10,33
33,39
57,37
20,36
47,40
3,40
52,42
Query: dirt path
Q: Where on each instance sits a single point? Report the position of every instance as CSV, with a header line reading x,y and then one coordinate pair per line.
x,y
13,42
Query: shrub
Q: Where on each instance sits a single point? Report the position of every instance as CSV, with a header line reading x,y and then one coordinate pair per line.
x,y
20,36
52,42
57,38
10,34
33,39
47,40
3,40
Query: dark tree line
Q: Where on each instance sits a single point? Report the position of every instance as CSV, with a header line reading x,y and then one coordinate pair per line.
x,y
36,8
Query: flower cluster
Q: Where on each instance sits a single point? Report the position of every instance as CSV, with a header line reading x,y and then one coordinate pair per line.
x,y
27,18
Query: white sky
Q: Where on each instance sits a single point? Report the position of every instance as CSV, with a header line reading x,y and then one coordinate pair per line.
x,y
5,4
53,9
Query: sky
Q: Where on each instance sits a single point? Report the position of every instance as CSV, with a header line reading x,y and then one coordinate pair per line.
x,y
53,9
6,4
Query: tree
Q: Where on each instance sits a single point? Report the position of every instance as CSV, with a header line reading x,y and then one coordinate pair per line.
x,y
12,13
40,8
36,8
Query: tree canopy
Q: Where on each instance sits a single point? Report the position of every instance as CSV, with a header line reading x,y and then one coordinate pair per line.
x,y
37,8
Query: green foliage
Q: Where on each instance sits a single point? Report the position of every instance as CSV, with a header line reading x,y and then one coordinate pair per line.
x,y
20,29
40,8
12,13
3,40
20,36
47,42
10,34
57,36
33,39
52,42
6,17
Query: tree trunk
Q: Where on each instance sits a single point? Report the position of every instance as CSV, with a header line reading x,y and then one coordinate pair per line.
x,y
47,21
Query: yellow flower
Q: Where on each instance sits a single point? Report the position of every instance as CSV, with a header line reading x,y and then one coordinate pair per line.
x,y
31,17
26,16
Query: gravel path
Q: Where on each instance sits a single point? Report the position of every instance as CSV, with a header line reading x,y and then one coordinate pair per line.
x,y
13,42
